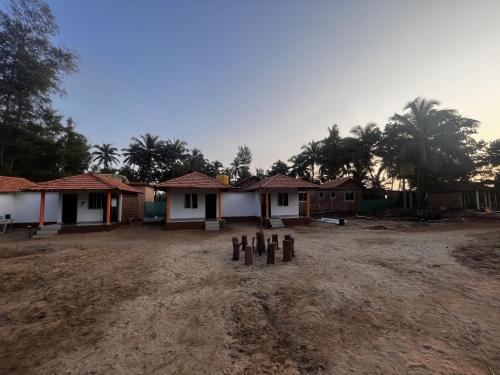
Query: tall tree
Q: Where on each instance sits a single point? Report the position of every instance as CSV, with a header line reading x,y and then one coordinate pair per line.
x,y
438,142
105,155
241,163
75,151
31,72
278,167
144,153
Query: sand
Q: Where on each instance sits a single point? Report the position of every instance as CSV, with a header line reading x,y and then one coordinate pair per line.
x,y
373,297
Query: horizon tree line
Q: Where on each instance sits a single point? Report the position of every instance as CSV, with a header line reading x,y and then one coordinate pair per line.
x,y
39,143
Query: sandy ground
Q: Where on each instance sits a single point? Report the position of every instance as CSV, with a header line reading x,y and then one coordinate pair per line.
x,y
373,297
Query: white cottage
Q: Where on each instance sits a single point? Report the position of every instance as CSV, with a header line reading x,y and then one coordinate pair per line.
x,y
22,207
199,201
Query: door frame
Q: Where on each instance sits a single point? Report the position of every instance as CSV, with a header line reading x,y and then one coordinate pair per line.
x,y
214,206
75,208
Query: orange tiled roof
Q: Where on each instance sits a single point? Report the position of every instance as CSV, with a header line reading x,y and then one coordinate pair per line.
x,y
335,184
194,180
13,184
280,181
88,181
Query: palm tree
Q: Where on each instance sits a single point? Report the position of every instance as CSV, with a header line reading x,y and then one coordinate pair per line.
x,y
144,152
106,155
312,153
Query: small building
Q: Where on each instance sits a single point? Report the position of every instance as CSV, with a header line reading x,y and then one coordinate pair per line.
x,y
462,196
145,188
341,195
88,202
278,198
193,201
22,207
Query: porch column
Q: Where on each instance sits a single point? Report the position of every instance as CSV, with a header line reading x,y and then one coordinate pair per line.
x,y
108,207
167,208
478,206
219,201
41,219
308,203
267,205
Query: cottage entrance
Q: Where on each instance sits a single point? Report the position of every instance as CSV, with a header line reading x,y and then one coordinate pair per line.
x,y
264,205
114,208
210,206
69,208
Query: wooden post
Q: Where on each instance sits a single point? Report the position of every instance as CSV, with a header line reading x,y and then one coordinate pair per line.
x,y
261,242
167,208
287,250
248,256
267,205
288,237
275,240
244,242
236,249
478,205
108,208
308,203
41,218
271,253
219,201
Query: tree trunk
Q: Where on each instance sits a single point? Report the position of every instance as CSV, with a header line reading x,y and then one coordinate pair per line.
x,y
275,239
236,249
244,242
261,242
271,251
248,256
287,250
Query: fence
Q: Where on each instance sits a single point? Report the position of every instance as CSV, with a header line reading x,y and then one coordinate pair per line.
x,y
370,205
154,209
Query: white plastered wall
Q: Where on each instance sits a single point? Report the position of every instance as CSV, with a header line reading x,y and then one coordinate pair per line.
x,y
179,213
292,210
240,204
24,207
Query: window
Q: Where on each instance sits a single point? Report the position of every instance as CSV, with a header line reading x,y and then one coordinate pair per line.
x,y
349,196
302,196
282,199
97,200
332,195
321,195
191,201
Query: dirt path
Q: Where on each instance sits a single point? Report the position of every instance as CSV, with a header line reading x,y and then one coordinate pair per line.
x,y
367,298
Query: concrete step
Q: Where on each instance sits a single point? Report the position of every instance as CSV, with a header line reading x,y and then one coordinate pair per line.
x,y
51,226
42,235
47,231
276,223
212,225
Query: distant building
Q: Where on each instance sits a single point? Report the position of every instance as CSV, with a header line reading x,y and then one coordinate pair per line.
x,y
462,196
341,195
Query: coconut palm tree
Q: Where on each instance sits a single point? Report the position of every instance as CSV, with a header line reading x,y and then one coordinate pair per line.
x,y
144,153
312,153
105,155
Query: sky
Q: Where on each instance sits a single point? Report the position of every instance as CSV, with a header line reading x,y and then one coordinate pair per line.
x,y
272,74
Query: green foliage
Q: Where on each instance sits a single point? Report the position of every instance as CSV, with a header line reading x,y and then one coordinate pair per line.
x,y
241,164
105,155
278,167
34,143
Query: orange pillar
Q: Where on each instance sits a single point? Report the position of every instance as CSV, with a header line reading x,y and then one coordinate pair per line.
x,y
108,208
42,209
167,208
267,205
219,201
308,204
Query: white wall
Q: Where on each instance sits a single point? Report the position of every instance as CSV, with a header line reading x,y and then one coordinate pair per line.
x,y
83,213
179,213
292,210
240,204
24,207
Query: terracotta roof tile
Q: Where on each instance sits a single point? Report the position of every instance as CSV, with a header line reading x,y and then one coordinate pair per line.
x,y
194,180
13,184
84,182
280,181
336,184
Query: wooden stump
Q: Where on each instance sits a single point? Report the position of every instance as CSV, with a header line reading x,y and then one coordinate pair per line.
x,y
236,249
275,240
248,256
261,242
271,253
287,250
244,242
290,238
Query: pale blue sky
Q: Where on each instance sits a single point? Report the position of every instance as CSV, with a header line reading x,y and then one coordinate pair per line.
x,y
273,74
